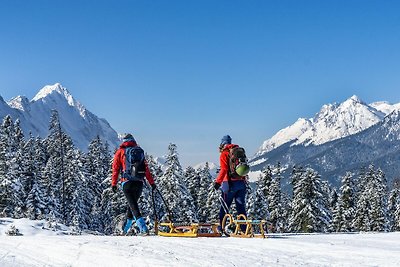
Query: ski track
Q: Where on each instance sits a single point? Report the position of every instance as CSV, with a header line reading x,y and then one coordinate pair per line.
x,y
278,250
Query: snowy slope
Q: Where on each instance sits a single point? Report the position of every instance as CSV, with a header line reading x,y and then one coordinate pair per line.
x,y
332,122
278,250
76,120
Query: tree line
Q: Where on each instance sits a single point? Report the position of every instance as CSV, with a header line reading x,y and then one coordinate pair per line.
x,y
51,179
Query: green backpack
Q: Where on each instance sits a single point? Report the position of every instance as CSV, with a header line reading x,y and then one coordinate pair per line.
x,y
238,163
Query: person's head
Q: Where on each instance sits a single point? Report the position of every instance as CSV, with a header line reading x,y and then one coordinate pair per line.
x,y
226,140
128,138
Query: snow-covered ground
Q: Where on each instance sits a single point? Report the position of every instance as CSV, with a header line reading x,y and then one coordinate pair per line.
x,y
40,247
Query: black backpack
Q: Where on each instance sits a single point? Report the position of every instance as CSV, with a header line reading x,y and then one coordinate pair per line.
x,y
135,165
237,160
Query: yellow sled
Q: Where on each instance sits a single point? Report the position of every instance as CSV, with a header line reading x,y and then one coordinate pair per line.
x,y
232,227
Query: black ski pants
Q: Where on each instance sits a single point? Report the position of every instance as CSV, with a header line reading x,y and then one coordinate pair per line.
x,y
132,191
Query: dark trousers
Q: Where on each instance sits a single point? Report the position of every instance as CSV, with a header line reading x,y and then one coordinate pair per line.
x,y
132,191
237,192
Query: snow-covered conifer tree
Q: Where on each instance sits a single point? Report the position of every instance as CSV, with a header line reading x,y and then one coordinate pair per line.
x,y
257,205
309,210
147,200
393,207
12,194
54,171
192,181
379,202
174,190
78,196
212,207
97,164
343,216
371,213
265,179
206,183
277,212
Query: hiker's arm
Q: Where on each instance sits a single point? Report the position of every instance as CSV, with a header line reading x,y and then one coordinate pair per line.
x,y
148,174
223,161
116,167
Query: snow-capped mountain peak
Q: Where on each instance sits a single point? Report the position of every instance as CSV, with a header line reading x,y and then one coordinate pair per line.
x,y
82,125
355,99
333,121
57,94
52,90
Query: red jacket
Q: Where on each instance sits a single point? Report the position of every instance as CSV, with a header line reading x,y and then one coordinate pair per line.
x,y
224,165
119,164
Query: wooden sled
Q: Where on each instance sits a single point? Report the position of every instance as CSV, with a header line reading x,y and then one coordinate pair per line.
x,y
170,229
233,227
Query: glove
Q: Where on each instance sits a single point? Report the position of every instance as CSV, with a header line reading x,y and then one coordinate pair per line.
x,y
216,186
153,187
114,188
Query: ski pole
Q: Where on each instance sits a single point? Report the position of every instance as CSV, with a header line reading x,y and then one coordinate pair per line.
x,y
223,203
155,213
169,213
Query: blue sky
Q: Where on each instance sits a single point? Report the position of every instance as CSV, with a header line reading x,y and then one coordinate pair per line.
x,y
190,72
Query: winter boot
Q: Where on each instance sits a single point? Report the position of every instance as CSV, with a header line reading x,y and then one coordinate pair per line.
x,y
141,224
127,226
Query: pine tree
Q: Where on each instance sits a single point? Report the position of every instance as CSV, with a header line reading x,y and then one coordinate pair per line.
x,y
309,210
12,194
35,204
28,164
393,207
54,171
113,207
297,173
192,182
379,202
78,197
371,213
212,207
174,191
396,225
345,207
97,166
277,213
361,217
265,180
206,184
33,162
257,205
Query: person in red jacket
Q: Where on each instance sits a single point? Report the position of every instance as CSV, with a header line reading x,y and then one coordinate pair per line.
x,y
131,183
233,188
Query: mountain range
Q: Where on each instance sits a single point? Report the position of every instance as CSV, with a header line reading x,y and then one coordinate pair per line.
x,y
341,137
78,122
